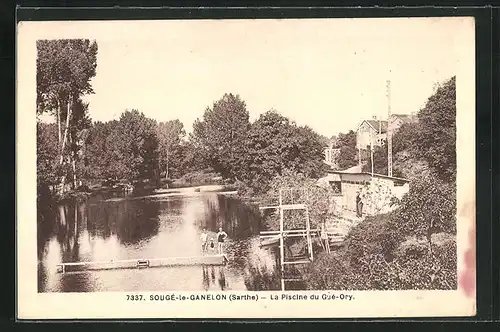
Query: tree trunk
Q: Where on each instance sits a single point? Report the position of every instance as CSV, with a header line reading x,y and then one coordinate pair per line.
x,y
166,175
68,116
74,173
59,124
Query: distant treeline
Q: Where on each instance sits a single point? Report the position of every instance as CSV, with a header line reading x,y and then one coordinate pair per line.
x,y
135,148
223,141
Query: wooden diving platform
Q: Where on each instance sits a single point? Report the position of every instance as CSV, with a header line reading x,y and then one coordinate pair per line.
x,y
142,263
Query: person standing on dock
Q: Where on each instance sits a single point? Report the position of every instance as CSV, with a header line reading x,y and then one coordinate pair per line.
x,y
359,205
221,236
204,238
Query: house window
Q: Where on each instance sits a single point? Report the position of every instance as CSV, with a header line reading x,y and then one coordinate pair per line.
x,y
336,186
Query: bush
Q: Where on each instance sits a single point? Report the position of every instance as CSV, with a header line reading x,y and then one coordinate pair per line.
x,y
429,207
375,256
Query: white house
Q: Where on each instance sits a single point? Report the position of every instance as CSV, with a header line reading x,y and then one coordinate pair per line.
x,y
397,120
371,132
375,130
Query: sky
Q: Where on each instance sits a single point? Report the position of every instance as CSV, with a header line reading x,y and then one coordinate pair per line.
x,y
329,74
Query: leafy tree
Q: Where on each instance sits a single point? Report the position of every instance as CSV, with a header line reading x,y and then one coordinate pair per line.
x,y
134,146
78,133
325,141
123,149
436,138
98,158
46,152
348,156
170,135
275,144
65,68
428,208
218,137
191,159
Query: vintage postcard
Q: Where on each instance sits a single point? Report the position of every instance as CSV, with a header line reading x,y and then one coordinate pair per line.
x,y
277,168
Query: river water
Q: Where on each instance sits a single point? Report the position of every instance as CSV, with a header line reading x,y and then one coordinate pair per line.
x,y
112,227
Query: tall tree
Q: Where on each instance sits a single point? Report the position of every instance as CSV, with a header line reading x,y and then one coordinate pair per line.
x,y
348,153
133,147
436,138
273,145
65,68
220,134
98,160
170,135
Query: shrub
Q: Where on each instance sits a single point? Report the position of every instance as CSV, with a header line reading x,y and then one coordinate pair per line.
x,y
429,207
377,256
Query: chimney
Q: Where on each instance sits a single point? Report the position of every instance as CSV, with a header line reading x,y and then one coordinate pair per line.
x,y
374,117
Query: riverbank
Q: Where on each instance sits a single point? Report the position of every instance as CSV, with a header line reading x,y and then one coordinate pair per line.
x,y
181,192
144,189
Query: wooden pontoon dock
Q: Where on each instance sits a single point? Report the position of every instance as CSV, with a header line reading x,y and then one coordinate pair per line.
x,y
142,263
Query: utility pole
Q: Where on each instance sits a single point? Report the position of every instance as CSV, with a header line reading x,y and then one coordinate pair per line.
x,y
389,132
359,157
371,148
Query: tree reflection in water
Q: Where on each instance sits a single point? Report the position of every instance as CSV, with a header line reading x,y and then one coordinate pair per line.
x,y
206,278
100,229
222,279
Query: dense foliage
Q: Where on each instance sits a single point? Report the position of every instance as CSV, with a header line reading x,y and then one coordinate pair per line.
x,y
123,149
348,155
46,152
436,136
223,143
170,136
375,256
414,246
65,68
219,136
429,142
275,144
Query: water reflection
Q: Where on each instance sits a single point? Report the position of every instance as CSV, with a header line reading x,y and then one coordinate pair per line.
x,y
100,230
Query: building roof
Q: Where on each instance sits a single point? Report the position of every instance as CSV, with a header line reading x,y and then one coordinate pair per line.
x,y
376,123
353,169
370,174
406,118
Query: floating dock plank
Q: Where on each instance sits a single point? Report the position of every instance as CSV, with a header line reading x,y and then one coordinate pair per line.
x,y
142,263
